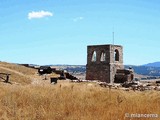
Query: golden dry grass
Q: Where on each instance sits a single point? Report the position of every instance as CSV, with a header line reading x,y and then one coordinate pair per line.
x,y
19,74
68,101
18,68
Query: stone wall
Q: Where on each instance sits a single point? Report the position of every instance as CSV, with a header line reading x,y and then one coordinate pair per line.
x,y
103,61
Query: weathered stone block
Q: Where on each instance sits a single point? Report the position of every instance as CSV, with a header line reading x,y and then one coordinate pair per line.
x,y
103,61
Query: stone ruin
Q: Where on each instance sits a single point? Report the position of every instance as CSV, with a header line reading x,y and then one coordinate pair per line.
x,y
105,63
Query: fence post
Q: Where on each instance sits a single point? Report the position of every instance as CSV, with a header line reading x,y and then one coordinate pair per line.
x,y
7,78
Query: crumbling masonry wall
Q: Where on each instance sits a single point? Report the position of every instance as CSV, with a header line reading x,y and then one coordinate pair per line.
x,y
103,61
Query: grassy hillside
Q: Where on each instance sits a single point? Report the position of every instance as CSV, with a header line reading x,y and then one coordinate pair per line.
x,y
19,74
68,101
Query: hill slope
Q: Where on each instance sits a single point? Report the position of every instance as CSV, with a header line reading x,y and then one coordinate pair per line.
x,y
23,75
66,100
154,64
19,74
145,70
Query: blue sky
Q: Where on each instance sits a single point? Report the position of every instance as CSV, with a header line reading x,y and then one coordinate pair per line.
x,y
58,31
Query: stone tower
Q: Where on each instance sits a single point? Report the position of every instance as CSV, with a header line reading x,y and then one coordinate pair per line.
x,y
103,62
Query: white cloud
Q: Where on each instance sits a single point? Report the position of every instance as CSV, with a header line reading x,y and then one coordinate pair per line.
x,y
78,18
39,14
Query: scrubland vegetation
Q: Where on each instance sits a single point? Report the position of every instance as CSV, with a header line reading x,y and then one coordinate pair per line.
x,y
72,101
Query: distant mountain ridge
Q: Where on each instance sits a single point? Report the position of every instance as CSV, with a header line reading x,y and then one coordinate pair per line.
x,y
154,64
142,70
145,70
150,69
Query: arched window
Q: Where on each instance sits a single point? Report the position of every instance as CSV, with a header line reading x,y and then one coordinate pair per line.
x,y
116,55
103,57
94,56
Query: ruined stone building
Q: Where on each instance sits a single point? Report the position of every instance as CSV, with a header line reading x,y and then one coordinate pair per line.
x,y
105,63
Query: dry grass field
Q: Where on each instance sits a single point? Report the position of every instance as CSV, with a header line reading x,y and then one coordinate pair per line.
x,y
23,100
19,74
